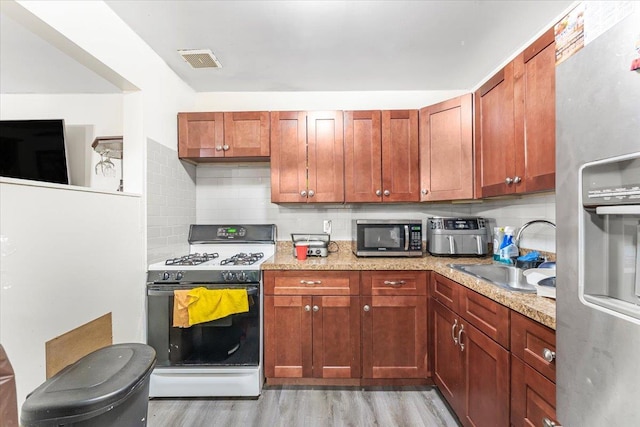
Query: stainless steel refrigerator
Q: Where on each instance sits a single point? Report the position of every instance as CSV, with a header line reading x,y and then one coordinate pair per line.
x,y
598,229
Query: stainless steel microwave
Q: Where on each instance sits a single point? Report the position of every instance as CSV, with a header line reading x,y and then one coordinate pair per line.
x,y
387,238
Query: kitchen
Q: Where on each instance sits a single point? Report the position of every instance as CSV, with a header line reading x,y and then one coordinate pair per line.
x,y
149,119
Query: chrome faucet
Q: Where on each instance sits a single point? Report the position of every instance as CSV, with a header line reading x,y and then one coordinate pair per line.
x,y
527,224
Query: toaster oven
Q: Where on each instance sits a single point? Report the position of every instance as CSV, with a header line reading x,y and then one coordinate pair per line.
x,y
449,236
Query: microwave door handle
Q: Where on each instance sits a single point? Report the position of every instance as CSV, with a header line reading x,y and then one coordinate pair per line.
x,y
406,237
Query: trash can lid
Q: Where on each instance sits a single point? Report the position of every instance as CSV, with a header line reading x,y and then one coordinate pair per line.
x,y
94,384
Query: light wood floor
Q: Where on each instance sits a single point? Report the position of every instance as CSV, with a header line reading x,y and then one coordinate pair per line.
x,y
288,406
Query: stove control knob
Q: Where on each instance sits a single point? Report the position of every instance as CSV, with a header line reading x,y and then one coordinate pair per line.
x,y
242,276
166,275
228,276
179,275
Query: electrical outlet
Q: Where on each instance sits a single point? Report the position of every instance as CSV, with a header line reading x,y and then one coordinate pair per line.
x,y
326,226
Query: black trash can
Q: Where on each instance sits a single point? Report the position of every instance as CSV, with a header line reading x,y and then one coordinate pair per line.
x,y
109,387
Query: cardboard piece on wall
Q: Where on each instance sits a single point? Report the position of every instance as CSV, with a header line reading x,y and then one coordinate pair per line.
x,y
71,346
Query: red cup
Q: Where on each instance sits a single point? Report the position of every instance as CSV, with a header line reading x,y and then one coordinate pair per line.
x,y
301,251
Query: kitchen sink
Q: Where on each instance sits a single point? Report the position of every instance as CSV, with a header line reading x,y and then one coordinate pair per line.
x,y
504,276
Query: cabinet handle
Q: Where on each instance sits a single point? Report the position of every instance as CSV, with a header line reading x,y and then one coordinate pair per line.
x,y
394,283
424,191
303,193
546,422
378,193
453,331
312,193
386,192
218,147
316,308
508,181
366,308
460,337
307,308
225,147
310,282
548,355
517,180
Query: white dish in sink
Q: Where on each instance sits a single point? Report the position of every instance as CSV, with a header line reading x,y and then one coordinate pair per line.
x,y
534,275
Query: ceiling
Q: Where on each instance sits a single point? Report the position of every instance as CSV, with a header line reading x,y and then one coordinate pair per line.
x,y
302,45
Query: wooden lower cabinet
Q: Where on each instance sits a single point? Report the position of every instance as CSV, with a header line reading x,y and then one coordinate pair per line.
x,y
533,397
394,337
312,336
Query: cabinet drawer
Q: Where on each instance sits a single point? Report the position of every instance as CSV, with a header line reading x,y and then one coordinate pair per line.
x,y
394,283
487,315
530,341
311,282
533,397
445,291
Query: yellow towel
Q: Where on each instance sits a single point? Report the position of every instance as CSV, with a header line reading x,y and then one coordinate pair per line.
x,y
181,308
211,304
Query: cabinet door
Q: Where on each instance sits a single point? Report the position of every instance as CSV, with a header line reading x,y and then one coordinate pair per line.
x,y
535,115
447,357
336,337
400,156
287,337
486,379
288,157
394,337
325,157
495,133
246,134
485,314
200,135
533,397
362,156
446,150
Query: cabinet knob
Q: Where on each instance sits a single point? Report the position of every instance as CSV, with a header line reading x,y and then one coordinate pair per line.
x,y
218,147
378,193
307,308
316,308
508,181
303,193
453,331
225,147
366,308
548,355
312,193
386,192
424,191
517,180
546,422
460,337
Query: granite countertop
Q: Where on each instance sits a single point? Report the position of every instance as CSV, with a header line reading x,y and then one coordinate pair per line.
x,y
540,309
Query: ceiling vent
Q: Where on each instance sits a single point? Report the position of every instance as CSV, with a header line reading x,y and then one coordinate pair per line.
x,y
200,58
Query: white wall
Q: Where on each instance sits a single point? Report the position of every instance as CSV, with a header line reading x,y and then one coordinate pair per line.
x,y
67,256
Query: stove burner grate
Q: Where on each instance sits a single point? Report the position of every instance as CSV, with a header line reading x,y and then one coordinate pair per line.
x,y
192,259
243,259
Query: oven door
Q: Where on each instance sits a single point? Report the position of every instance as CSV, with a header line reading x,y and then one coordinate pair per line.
x,y
231,341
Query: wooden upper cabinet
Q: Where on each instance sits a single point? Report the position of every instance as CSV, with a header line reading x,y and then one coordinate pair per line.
x,y
535,115
307,157
204,137
495,135
381,156
362,156
199,134
446,150
246,134
515,124
288,156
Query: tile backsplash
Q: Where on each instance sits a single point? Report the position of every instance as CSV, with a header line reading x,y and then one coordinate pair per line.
x,y
171,202
241,193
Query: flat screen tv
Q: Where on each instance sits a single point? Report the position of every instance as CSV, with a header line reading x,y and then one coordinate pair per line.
x,y
33,149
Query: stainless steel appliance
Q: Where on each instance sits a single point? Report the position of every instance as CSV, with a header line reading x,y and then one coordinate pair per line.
x,y
387,238
318,244
457,236
597,216
222,357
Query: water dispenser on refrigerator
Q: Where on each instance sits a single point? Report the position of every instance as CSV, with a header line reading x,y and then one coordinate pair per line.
x,y
609,228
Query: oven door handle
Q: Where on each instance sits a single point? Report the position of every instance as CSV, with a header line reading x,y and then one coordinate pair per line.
x,y
156,293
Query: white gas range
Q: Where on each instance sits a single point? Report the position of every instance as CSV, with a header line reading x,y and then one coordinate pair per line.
x,y
219,358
